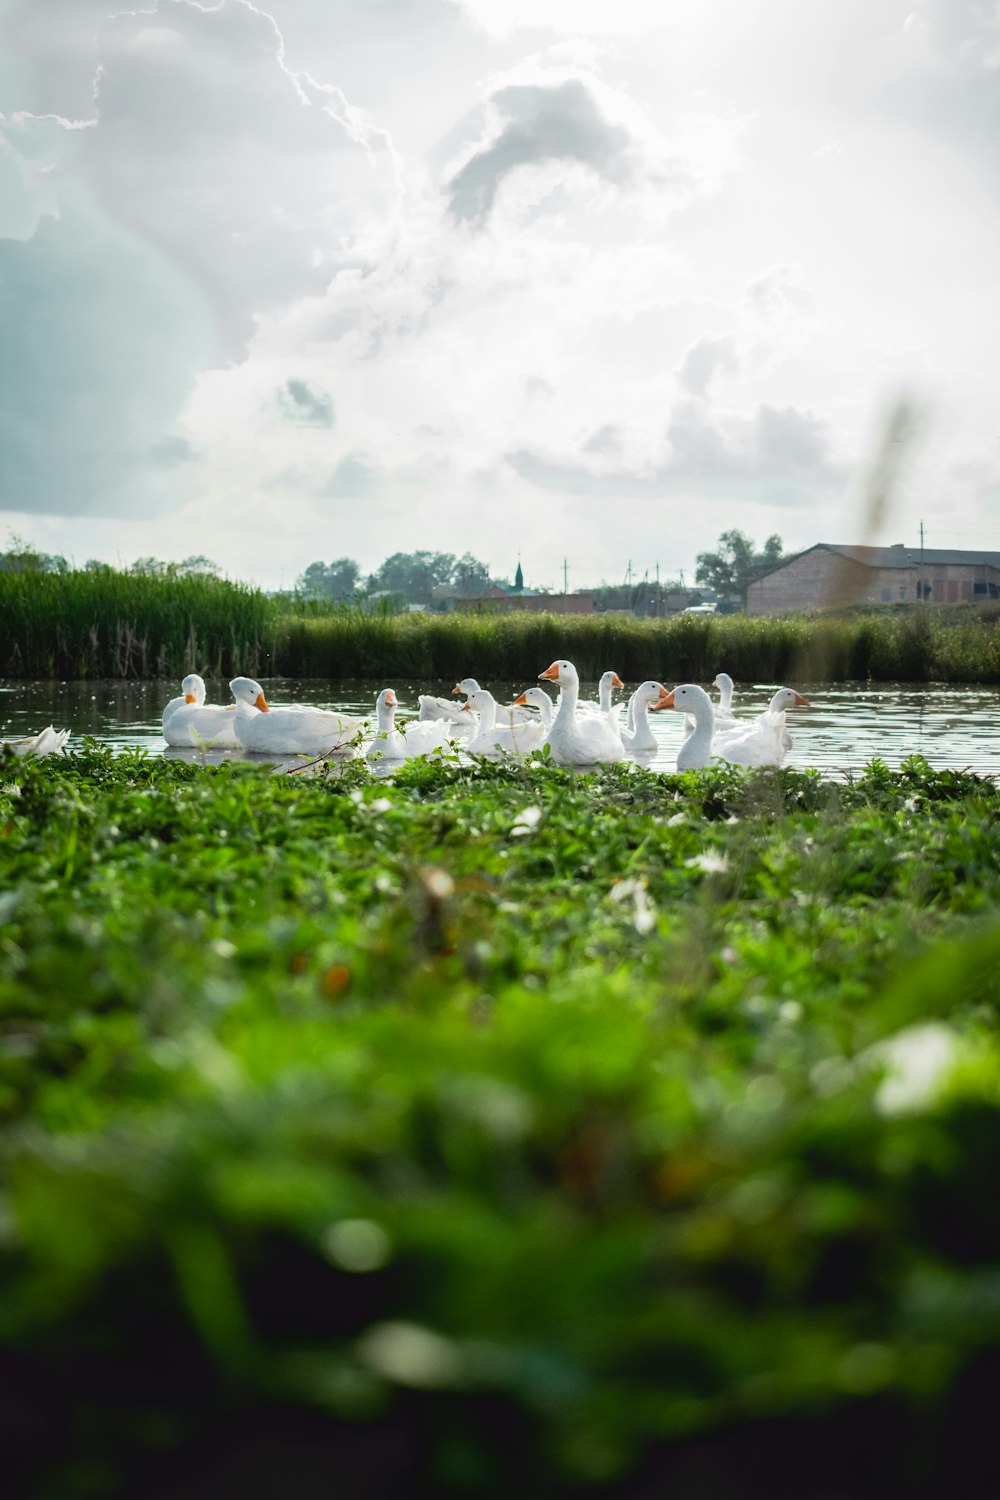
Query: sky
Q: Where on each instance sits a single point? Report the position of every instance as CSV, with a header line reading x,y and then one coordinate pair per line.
x,y
576,281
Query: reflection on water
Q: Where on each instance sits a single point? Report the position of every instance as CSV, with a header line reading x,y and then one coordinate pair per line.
x,y
847,725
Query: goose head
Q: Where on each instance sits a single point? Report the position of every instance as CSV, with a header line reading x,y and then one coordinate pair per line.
x,y
654,695
466,687
385,708
248,692
686,699
533,698
193,688
479,701
560,671
787,698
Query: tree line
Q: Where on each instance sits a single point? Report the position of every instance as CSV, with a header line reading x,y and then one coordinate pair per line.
x,y
414,576
418,577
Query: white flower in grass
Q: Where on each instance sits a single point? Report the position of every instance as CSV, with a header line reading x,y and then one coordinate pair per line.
x,y
710,862
527,819
677,819
412,1355
917,1061
643,910
381,804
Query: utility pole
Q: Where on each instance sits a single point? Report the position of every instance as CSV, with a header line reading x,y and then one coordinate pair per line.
x,y
922,562
565,583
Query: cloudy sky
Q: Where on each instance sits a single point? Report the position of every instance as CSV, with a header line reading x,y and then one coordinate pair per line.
x,y
584,279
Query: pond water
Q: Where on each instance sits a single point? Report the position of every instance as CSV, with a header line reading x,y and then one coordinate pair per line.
x,y
846,726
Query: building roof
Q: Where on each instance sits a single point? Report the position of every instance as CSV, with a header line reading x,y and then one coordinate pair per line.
x,y
900,556
897,556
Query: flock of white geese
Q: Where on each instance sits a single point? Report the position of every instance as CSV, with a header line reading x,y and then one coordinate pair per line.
x,y
578,733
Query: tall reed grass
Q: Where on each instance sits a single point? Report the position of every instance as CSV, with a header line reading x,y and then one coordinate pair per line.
x,y
110,624
917,646
122,625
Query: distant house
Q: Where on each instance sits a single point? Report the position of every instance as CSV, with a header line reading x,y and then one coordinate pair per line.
x,y
829,577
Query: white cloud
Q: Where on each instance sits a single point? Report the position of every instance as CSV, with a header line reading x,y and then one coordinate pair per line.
x,y
781,455
704,359
252,176
536,125
676,253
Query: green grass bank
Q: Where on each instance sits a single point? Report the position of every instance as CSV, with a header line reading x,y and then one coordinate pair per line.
x,y
119,625
497,1130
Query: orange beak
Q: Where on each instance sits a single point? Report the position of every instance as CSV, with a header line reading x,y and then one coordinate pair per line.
x,y
666,701
616,680
551,673
522,699
456,688
801,702
390,698
261,702
190,698
466,708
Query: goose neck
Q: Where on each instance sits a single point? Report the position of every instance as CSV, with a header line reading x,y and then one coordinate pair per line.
x,y
569,692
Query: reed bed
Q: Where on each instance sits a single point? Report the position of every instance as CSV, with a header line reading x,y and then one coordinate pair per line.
x,y
917,646
121,625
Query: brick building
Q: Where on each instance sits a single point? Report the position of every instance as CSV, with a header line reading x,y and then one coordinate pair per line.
x,y
830,577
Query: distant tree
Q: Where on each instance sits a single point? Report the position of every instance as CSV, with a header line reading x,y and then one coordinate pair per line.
x,y
736,564
198,566
471,575
22,557
415,575
334,580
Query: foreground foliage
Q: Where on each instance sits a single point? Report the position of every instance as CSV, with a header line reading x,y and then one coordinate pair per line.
x,y
497,1128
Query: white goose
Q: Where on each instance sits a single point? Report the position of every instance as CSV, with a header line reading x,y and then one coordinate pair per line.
x,y
725,719
492,738
419,737
605,687
536,697
638,736
432,709
759,745
189,720
289,730
507,714
578,739
772,717
47,741
724,715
